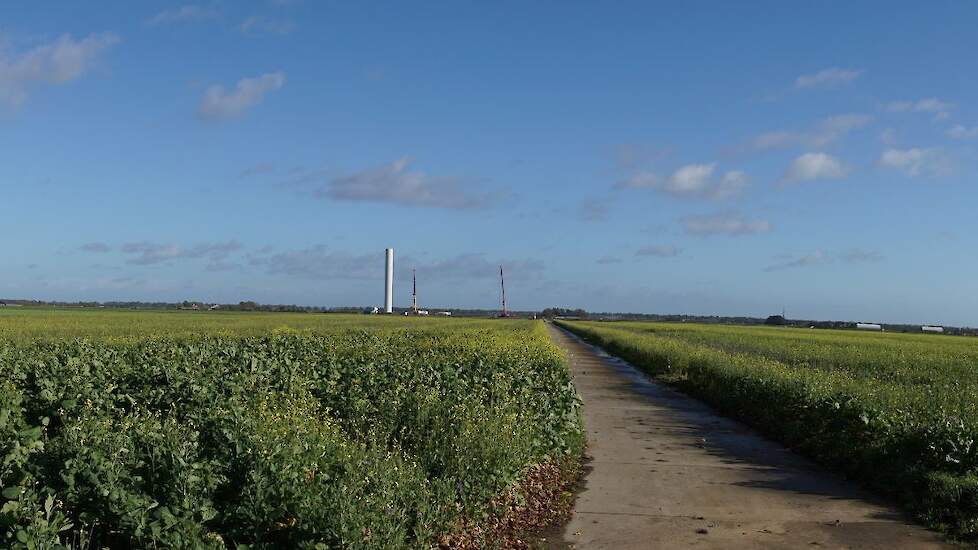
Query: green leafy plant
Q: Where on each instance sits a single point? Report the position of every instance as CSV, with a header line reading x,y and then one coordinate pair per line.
x,y
895,411
360,434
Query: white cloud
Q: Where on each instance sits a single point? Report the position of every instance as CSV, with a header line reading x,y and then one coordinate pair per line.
x,y
888,136
962,132
97,247
835,127
641,180
830,77
775,139
724,223
931,105
257,169
815,258
316,262
257,24
473,266
217,103
815,166
634,156
58,62
828,130
185,13
394,183
917,161
148,253
659,251
593,210
856,255
821,257
319,262
691,180
731,184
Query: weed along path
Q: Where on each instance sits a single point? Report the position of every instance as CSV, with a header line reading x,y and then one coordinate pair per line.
x,y
665,471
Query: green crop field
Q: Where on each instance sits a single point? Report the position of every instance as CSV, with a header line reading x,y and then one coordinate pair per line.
x,y
237,430
898,412
45,323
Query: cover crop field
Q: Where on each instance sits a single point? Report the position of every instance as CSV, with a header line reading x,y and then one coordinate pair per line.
x,y
897,411
218,430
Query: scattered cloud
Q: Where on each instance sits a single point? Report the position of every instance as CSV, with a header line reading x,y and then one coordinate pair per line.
x,y
149,253
218,103
95,247
394,183
815,258
931,105
961,132
634,156
815,166
775,139
730,184
856,256
300,177
593,210
827,78
691,181
183,14
888,136
608,260
471,266
219,266
374,74
724,223
640,180
658,251
821,257
257,170
917,162
826,131
58,62
126,280
318,262
257,24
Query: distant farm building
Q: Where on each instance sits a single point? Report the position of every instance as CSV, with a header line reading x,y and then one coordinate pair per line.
x,y
869,326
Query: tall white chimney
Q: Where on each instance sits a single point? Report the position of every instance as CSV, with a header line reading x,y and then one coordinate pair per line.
x,y
389,283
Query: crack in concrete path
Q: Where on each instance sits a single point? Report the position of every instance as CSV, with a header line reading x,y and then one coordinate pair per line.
x,y
666,471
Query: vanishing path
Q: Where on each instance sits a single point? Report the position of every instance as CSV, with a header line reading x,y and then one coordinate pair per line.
x,y
667,472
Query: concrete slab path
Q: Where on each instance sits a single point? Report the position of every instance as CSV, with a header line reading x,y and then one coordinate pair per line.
x,y
666,471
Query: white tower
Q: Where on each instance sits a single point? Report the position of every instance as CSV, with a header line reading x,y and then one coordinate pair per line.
x,y
389,283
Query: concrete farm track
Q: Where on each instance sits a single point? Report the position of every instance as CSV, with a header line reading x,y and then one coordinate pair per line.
x,y
666,471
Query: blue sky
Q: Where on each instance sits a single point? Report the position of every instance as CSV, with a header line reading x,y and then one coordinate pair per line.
x,y
705,158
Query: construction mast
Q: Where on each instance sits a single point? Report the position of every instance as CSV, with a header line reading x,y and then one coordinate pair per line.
x,y
414,291
502,285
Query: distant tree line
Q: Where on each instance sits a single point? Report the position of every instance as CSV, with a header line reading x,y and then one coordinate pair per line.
x,y
551,312
548,313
